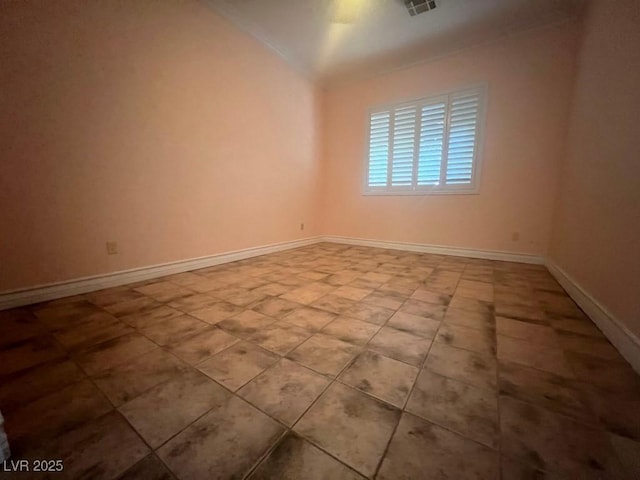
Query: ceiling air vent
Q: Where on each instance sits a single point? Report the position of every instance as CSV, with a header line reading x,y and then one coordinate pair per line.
x,y
416,7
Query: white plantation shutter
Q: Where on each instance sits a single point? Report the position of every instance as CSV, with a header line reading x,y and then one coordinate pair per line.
x,y
430,145
463,121
404,131
379,149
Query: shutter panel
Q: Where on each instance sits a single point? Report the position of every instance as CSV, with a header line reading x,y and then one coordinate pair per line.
x,y
378,149
404,130
463,121
431,143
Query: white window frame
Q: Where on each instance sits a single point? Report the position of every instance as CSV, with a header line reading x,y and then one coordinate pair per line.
x,y
472,188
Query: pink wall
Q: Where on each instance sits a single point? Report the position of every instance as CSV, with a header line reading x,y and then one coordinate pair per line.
x,y
596,235
161,126
155,124
530,79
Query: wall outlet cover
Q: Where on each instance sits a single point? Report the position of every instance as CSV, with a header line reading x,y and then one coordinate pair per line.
x,y
112,248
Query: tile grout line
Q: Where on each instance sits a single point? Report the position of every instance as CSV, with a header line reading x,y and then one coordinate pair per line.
x,y
494,392
363,348
291,428
422,364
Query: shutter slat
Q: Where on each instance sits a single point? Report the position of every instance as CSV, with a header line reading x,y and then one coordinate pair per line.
x,y
463,130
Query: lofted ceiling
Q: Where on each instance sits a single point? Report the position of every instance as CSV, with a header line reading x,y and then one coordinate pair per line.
x,y
383,35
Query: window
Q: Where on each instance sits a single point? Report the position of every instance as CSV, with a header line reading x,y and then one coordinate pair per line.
x,y
430,145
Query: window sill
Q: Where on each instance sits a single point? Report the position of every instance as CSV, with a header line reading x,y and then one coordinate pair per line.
x,y
401,193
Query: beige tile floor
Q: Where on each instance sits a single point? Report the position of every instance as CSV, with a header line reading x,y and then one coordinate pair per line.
x,y
328,361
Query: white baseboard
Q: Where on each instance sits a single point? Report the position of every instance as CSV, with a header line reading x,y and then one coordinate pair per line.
x,y
627,343
52,291
440,250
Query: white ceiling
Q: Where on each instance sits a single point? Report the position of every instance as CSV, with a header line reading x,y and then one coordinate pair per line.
x,y
385,37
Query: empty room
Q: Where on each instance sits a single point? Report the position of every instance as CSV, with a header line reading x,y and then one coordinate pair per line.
x,y
319,239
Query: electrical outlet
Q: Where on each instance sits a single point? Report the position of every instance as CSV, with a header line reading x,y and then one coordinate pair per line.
x,y
302,226
515,236
112,248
